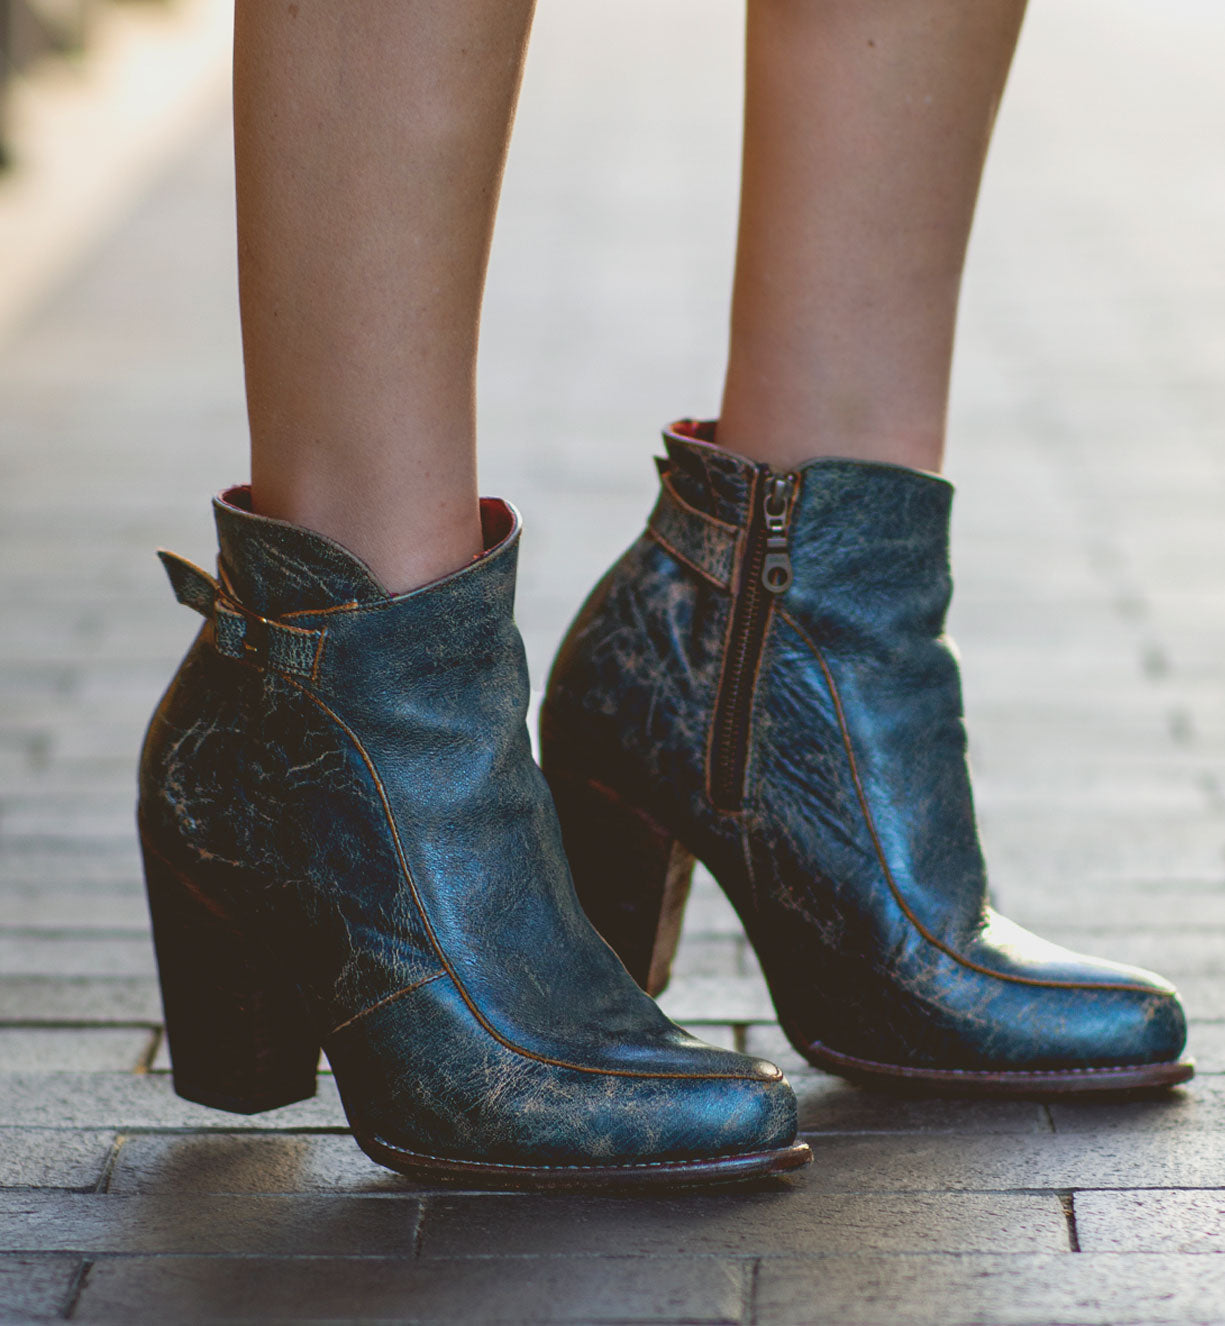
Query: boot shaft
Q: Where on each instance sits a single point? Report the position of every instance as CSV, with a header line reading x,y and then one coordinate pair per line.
x,y
379,789
765,712
867,544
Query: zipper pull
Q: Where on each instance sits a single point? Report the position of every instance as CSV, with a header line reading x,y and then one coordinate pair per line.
x,y
776,507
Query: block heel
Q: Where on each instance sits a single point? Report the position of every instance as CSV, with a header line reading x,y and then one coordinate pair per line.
x,y
239,1033
631,874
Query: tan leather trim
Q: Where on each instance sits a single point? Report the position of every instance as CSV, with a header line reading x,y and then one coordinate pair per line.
x,y
652,533
387,999
665,482
672,509
870,822
350,606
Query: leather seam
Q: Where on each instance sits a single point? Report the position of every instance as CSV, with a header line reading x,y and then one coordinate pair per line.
x,y
318,662
387,999
450,971
870,823
347,606
354,606
706,575
689,509
746,791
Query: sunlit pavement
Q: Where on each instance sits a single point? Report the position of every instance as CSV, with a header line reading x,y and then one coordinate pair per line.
x,y
1088,453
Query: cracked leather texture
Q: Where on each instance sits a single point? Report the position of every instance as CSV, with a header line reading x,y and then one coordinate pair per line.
x,y
400,848
854,859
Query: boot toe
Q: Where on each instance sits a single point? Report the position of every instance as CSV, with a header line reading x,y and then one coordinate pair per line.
x,y
420,1079
1060,1009
730,1116
1135,1027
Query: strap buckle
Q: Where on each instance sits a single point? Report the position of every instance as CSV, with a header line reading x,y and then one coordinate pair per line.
x,y
237,631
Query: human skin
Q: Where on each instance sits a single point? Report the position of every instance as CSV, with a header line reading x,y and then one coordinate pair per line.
x,y
866,129
370,144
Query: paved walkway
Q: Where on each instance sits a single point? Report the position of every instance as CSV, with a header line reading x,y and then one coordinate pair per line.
x,y
1091,613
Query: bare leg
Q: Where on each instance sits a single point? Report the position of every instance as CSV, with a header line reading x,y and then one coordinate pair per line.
x,y
370,144
866,128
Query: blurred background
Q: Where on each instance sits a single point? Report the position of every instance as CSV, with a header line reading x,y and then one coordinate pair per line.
x,y
1086,436
1086,433
1086,445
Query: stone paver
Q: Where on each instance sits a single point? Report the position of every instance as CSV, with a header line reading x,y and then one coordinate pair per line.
x,y
796,1220
944,1162
158,1164
37,1288
140,1100
310,1225
1090,612
371,1289
1198,1107
36,1157
991,1291
1151,1221
71,1049
57,1000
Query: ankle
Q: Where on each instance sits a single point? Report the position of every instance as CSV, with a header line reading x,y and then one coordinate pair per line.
x,y
789,446
785,429
405,544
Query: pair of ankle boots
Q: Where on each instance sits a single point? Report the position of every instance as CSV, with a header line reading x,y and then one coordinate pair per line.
x,y
348,845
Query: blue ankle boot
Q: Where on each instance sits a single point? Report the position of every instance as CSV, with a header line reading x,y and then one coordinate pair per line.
x,y
348,845
763,682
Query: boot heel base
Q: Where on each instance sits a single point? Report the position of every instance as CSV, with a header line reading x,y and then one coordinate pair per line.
x,y
631,874
244,1104
239,1033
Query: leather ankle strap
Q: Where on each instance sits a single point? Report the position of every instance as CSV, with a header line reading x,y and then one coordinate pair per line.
x,y
707,545
237,632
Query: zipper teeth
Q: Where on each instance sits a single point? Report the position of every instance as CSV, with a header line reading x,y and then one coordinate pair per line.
x,y
732,717
747,610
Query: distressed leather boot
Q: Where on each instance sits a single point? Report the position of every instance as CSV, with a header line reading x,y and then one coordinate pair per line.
x,y
763,682
348,845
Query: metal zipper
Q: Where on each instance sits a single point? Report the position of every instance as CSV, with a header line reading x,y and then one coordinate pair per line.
x,y
766,573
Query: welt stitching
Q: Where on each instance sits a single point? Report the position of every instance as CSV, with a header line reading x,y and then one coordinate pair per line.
x,y
480,1165
897,1070
884,864
442,957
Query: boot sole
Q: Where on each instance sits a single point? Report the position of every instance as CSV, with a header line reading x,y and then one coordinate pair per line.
x,y
968,1082
623,1178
